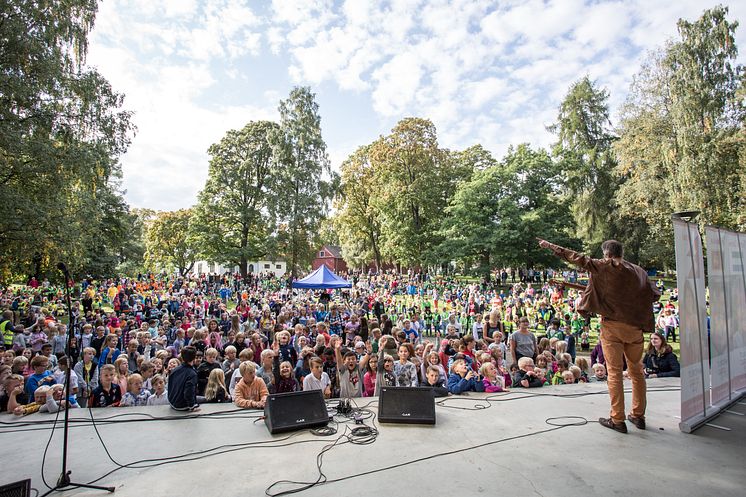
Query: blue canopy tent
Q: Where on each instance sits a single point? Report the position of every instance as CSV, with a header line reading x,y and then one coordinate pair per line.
x,y
322,278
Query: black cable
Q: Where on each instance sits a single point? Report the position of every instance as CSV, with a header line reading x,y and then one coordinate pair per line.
x,y
523,394
322,479
5,427
359,435
194,456
367,437
150,417
49,441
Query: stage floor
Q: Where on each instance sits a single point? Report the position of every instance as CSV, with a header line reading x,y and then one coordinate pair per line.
x,y
570,461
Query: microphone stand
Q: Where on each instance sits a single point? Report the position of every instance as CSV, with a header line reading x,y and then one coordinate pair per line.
x,y
64,482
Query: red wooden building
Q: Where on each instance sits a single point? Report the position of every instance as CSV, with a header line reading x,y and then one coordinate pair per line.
x,y
331,257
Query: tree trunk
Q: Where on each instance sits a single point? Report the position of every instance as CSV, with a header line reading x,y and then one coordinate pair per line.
x,y
293,232
243,263
376,251
37,266
243,267
485,265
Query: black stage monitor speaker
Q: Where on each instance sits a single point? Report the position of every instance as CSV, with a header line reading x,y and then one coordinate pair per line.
x,y
18,489
295,411
415,405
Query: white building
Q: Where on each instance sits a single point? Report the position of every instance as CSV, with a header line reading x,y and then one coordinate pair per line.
x,y
279,268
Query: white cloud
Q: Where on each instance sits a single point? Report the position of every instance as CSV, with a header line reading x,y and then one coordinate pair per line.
x,y
398,81
485,71
165,67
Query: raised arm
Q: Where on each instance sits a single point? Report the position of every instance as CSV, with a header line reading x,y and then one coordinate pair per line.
x,y
276,359
571,256
338,354
364,362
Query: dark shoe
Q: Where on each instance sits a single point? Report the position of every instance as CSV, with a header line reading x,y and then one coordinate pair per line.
x,y
609,423
638,422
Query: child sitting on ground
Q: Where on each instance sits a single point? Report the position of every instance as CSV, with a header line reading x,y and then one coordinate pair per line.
x,y
577,374
146,371
462,379
385,376
582,364
599,372
318,379
369,379
251,392
136,395
108,393
215,392
567,378
40,398
231,362
526,376
557,378
41,375
350,372
491,380
286,350
13,396
55,400
205,368
160,396
433,380
282,371
60,375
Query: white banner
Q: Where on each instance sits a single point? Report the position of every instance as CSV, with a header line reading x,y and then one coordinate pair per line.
x,y
693,324
719,307
734,250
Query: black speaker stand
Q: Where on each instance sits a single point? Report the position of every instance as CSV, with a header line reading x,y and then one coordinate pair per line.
x,y
63,482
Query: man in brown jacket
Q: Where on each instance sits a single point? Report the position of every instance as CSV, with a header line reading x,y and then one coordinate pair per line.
x,y
621,293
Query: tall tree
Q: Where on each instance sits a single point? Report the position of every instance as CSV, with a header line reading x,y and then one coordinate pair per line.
x,y
231,219
131,254
494,217
304,182
681,141
167,242
584,148
358,219
473,229
417,180
61,131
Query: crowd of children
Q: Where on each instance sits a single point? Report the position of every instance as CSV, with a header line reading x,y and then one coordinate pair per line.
x,y
181,341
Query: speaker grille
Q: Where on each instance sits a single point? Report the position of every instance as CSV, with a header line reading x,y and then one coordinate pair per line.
x,y
295,411
414,405
18,489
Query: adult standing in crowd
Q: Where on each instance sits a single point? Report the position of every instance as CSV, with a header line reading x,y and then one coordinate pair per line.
x,y
522,341
623,295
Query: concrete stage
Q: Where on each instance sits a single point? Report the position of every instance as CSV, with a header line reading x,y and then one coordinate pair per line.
x,y
573,461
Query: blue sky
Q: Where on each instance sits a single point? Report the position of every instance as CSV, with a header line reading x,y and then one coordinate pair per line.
x,y
483,71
